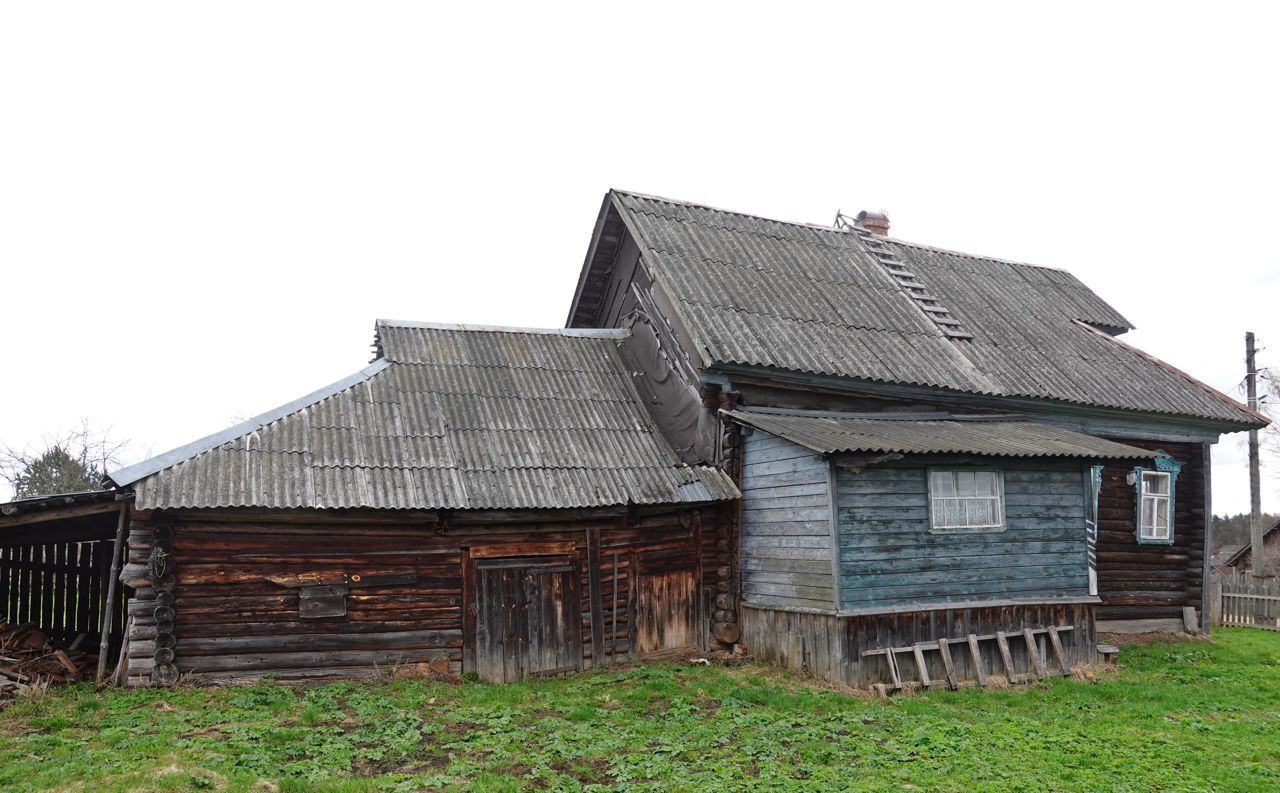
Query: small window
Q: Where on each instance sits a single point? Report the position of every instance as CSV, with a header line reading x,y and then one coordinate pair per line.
x,y
965,500
1155,515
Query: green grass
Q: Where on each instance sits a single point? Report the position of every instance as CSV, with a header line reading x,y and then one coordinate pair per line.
x,y
1186,715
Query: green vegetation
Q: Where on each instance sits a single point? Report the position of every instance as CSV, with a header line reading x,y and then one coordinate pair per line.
x,y
1185,715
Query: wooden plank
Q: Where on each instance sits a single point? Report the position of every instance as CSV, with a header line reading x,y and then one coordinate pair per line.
x,y
633,595
1034,653
1002,643
522,549
469,638
944,650
8,521
1056,643
891,658
976,655
595,595
921,667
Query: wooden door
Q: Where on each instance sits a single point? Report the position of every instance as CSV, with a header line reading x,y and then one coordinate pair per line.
x,y
666,611
528,618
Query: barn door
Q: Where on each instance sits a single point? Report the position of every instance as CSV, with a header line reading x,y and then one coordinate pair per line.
x,y
528,618
666,612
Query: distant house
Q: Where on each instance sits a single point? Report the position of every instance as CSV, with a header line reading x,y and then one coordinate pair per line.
x,y
844,452
1242,560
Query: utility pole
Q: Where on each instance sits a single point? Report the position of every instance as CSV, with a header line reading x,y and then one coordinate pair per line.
x,y
1255,475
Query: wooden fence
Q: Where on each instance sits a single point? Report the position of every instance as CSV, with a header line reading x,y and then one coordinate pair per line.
x,y
61,587
1241,600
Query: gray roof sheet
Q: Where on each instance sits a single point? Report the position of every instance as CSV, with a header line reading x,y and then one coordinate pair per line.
x,y
812,299
828,433
450,417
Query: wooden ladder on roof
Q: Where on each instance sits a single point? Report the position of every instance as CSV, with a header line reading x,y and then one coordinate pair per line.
x,y
897,269
972,643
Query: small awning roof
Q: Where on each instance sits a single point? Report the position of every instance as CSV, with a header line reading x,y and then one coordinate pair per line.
x,y
65,517
995,437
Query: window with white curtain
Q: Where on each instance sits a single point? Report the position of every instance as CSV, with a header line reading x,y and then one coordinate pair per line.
x,y
966,500
1155,512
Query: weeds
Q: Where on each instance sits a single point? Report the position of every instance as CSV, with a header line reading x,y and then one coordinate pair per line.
x,y
1182,716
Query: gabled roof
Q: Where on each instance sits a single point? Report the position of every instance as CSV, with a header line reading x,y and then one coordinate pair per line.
x,y
811,299
1238,557
449,417
830,433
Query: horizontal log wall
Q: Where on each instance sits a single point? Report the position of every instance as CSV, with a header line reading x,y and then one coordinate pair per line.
x,y
232,623
1149,582
831,647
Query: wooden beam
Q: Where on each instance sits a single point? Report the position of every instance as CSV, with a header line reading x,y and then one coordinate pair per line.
x,y
921,668
1036,660
594,595
944,649
42,516
112,584
1006,657
977,660
1063,666
523,549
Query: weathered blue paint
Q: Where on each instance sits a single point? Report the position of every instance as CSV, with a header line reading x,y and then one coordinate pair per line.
x,y
889,557
787,556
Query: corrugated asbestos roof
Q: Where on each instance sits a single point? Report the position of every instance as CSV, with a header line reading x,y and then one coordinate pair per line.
x,y
810,299
450,417
989,437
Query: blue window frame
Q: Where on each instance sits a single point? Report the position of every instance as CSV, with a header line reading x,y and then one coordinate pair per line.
x,y
1155,489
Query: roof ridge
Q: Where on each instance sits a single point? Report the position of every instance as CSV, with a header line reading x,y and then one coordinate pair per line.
x,y
595,333
696,205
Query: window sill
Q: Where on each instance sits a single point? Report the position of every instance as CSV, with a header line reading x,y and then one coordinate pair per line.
x,y
1154,541
974,530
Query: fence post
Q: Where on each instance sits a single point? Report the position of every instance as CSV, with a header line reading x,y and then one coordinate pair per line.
x,y
1215,602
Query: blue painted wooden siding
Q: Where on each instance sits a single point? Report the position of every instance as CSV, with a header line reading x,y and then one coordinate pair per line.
x,y
786,525
888,557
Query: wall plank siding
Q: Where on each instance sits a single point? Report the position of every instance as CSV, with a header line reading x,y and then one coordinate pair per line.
x,y
888,556
831,647
786,547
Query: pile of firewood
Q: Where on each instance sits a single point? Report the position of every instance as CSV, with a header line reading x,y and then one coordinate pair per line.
x,y
30,660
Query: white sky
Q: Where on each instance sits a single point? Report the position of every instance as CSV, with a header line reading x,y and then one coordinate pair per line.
x,y
204,207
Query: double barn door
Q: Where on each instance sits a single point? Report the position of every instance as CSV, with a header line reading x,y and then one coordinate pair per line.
x,y
525,614
528,618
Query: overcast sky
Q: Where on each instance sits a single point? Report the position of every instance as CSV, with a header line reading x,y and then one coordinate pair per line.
x,y
203,208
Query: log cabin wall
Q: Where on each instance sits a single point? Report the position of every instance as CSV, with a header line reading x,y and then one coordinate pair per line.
x,y
1151,582
310,597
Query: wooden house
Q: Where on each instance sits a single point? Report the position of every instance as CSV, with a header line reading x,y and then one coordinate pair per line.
x,y
1241,561
930,445
858,457
488,500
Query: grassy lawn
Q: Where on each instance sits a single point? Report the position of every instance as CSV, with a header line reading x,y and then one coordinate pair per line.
x,y
1185,715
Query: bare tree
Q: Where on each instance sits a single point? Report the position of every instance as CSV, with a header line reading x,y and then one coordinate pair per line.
x,y
68,462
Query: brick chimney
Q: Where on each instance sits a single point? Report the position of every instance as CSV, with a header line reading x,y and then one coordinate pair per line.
x,y
875,222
